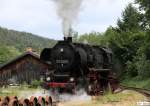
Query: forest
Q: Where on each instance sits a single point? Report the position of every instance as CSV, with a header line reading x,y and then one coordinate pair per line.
x,y
14,43
129,41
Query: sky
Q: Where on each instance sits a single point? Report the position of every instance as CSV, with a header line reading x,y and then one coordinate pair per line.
x,y
40,17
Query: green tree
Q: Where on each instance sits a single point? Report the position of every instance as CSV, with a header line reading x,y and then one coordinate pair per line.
x,y
126,39
93,38
145,6
7,53
129,35
130,20
22,40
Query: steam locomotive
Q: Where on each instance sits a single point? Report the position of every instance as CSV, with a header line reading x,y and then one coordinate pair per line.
x,y
77,65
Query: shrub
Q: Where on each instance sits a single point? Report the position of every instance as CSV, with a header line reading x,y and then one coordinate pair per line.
x,y
131,69
143,67
35,83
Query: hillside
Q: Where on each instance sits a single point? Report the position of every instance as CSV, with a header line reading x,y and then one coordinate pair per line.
x,y
13,43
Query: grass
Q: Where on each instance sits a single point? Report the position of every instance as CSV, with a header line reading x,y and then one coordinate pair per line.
x,y
134,82
126,98
8,92
17,91
121,97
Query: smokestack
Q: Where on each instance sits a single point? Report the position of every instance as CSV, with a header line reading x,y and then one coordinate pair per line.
x,y
68,11
68,39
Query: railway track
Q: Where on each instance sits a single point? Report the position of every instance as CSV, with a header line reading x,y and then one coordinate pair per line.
x,y
145,92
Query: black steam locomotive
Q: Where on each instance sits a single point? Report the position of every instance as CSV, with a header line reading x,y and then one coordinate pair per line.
x,y
76,65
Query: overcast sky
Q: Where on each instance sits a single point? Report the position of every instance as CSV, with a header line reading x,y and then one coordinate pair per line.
x,y
39,16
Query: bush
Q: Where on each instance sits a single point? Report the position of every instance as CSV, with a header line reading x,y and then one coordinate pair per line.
x,y
131,69
139,67
143,67
35,83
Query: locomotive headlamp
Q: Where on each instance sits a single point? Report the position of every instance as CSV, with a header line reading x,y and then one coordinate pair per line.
x,y
89,87
61,50
48,79
71,79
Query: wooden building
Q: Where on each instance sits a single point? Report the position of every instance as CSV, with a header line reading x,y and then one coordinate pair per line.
x,y
25,68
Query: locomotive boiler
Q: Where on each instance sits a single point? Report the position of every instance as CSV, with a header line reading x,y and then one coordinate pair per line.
x,y
77,65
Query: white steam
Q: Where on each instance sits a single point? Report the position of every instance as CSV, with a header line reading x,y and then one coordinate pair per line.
x,y
68,11
80,95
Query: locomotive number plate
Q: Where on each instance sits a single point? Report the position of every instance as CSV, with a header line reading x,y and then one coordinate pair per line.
x,y
62,61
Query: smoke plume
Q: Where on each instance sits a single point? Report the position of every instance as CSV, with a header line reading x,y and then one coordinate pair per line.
x,y
68,11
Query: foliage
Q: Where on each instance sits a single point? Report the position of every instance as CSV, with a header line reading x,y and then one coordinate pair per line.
x,y
143,67
145,6
35,84
7,53
131,70
23,40
13,43
129,35
91,38
130,20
